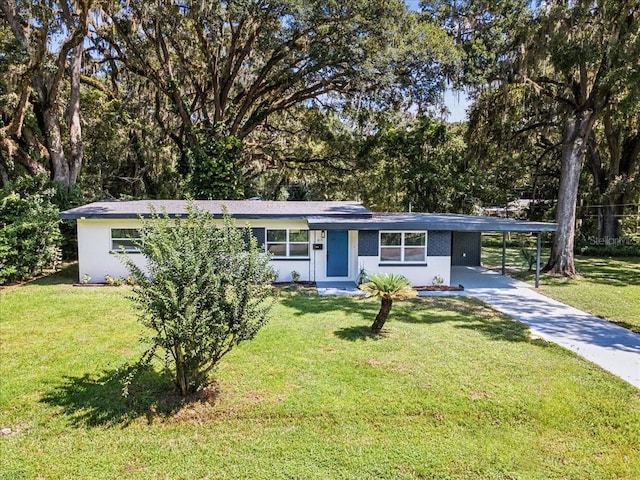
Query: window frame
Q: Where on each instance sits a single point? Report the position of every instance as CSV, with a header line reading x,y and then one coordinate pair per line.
x,y
403,246
287,243
119,248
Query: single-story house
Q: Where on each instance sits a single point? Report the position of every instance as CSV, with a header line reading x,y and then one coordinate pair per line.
x,y
321,241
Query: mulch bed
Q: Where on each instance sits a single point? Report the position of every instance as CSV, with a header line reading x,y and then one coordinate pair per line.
x,y
438,288
302,284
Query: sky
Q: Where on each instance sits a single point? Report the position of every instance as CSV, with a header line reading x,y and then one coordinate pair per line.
x,y
457,102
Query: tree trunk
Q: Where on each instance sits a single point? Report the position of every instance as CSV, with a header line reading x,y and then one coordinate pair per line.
x,y
613,182
53,140
4,177
611,219
385,307
75,128
577,130
181,373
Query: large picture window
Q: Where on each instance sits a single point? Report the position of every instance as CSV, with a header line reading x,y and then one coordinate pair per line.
x,y
288,243
403,247
125,238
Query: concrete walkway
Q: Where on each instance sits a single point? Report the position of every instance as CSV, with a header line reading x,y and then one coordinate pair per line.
x,y
610,346
339,289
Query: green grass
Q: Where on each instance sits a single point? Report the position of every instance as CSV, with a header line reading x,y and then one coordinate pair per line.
x,y
607,287
454,390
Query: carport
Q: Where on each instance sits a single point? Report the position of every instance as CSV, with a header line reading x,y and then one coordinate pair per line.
x,y
467,241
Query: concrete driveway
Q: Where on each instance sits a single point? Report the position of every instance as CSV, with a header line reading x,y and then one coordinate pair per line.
x,y
610,346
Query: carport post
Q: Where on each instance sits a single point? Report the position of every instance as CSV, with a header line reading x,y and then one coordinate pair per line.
x,y
538,248
504,251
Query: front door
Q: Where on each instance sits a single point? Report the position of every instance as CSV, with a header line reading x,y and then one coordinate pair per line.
x,y
337,253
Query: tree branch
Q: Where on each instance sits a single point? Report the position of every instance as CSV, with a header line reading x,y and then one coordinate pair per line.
x,y
540,89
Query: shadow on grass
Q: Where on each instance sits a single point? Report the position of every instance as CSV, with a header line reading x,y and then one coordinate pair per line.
x,y
463,312
363,308
91,401
610,271
471,314
504,330
67,275
354,334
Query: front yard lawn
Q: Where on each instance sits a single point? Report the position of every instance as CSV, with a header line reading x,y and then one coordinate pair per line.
x,y
608,288
453,390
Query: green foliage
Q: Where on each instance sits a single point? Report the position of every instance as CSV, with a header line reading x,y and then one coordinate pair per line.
x,y
214,170
396,161
29,237
573,59
152,105
626,247
363,276
205,290
528,257
419,163
389,285
113,281
484,31
513,148
125,151
248,66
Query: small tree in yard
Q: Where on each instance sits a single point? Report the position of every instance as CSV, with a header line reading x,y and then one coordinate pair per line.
x,y
204,290
389,287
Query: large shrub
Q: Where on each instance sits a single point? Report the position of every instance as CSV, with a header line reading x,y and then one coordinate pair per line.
x,y
29,233
205,289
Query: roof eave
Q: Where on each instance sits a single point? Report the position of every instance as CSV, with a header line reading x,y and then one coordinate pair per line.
x,y
442,226
69,215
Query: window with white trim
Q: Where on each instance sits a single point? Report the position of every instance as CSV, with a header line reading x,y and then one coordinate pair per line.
x,y
288,243
125,238
403,247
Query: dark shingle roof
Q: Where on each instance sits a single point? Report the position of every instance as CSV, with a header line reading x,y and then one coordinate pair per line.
x,y
237,208
320,215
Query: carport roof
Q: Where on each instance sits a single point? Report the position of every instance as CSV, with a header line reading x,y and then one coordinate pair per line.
x,y
430,221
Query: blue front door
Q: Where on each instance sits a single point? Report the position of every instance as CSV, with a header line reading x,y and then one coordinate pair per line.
x,y
337,253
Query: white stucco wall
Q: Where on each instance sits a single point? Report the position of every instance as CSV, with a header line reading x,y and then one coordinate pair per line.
x,y
96,260
286,267
94,249
417,274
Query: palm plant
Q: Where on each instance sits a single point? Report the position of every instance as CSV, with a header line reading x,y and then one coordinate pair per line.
x,y
389,287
